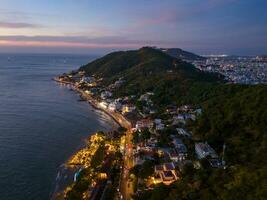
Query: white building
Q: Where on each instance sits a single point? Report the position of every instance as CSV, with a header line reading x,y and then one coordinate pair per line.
x,y
114,106
204,149
183,132
103,104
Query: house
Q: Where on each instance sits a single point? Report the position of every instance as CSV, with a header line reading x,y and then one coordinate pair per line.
x,y
165,173
169,166
159,127
88,79
159,168
216,163
106,94
173,155
183,132
179,119
157,178
180,149
203,150
158,124
177,142
114,106
184,108
171,109
182,152
157,121
189,116
143,124
128,108
168,177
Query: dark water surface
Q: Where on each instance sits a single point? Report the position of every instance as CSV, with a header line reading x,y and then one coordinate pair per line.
x,y
41,123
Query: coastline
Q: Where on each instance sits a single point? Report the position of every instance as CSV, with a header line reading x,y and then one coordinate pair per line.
x,y
66,173
117,117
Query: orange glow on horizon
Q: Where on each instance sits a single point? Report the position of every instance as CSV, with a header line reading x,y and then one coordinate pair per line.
x,y
63,44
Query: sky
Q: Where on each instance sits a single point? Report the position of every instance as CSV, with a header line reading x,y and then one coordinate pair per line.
x,y
99,26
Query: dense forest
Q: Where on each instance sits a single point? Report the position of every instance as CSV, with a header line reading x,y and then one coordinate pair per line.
x,y
237,119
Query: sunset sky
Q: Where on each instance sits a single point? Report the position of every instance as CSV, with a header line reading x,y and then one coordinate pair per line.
x,y
99,26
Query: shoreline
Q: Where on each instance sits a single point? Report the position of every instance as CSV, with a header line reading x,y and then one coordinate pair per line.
x,y
66,173
117,117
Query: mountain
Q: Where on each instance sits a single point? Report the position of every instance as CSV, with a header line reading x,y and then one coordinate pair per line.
x,y
149,69
140,61
181,54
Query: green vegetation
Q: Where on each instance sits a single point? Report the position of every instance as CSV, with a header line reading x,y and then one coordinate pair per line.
x,y
141,136
87,175
149,69
143,171
98,157
164,137
80,186
239,120
234,115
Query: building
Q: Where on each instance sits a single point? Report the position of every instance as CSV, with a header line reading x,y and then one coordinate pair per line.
x,y
173,155
143,124
106,94
180,118
158,124
203,150
180,149
216,163
103,104
128,108
184,108
183,132
159,127
165,174
114,106
158,121
87,79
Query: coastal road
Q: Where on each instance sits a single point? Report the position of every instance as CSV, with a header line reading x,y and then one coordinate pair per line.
x,y
127,165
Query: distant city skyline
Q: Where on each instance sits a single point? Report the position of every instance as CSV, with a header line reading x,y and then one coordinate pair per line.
x,y
97,27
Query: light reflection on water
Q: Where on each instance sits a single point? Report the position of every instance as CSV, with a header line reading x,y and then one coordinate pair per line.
x,y
41,123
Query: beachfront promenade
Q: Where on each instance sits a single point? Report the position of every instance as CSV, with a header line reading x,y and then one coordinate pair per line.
x,y
125,191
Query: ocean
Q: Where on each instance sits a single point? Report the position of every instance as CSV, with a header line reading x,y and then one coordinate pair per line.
x,y
42,123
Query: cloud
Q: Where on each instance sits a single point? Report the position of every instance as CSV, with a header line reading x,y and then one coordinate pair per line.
x,y
15,25
77,41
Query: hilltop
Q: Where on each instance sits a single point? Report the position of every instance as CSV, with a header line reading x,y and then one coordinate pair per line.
x,y
145,59
149,69
181,54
